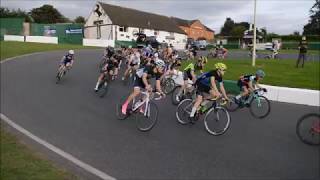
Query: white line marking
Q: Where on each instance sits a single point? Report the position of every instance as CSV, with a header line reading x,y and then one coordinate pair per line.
x,y
60,152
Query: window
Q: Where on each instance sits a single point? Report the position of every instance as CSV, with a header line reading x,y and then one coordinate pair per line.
x,y
123,29
97,23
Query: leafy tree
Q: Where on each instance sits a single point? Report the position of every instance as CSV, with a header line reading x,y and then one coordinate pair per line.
x,y
13,13
296,33
238,31
227,27
47,14
79,19
313,26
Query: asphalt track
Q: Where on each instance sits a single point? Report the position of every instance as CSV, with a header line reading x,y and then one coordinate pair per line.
x,y
72,117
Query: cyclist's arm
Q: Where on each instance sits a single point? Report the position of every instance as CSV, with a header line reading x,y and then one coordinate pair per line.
x,y
158,86
213,84
251,88
144,80
62,59
193,76
223,90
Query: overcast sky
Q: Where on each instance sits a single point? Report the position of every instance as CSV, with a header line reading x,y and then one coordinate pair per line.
x,y
279,16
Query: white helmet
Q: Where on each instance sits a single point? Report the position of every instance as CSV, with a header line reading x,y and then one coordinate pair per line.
x,y
160,63
156,55
71,52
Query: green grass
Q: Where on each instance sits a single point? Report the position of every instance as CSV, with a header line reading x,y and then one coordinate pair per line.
x,y
278,73
19,162
11,48
281,51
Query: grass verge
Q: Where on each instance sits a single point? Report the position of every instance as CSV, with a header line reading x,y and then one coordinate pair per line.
x,y
19,162
278,72
11,48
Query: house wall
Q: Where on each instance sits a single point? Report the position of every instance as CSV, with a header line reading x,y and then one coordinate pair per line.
x,y
197,30
90,29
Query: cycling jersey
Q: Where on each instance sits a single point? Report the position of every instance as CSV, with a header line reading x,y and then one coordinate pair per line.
x,y
205,78
244,80
67,59
134,60
150,74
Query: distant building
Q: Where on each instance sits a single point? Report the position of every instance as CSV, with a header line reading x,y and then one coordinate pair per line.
x,y
195,29
110,22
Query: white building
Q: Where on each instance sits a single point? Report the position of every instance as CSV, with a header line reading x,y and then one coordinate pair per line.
x,y
110,24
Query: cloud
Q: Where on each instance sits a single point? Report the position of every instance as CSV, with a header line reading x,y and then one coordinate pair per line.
x,y
280,17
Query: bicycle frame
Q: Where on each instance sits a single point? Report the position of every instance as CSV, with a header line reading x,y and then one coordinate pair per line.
x,y
145,101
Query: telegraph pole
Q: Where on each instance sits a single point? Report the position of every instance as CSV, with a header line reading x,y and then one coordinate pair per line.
x,y
254,35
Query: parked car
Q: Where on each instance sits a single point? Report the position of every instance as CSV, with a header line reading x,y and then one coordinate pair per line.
x,y
201,44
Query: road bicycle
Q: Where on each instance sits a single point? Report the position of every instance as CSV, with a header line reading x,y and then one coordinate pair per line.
x,y
188,93
216,117
143,109
61,72
259,105
308,129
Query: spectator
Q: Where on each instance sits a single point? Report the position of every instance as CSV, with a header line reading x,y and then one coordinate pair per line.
x,y
303,46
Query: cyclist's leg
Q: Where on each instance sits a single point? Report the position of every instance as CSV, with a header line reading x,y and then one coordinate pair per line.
x,y
136,92
101,76
196,105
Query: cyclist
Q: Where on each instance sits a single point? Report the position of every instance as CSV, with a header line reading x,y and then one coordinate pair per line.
x,y
248,83
133,63
206,84
108,52
66,61
141,81
107,69
201,62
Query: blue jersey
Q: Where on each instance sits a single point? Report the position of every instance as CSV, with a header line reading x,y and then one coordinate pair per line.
x,y
205,78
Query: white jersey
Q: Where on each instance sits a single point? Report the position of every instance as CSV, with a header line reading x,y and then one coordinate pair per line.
x,y
135,59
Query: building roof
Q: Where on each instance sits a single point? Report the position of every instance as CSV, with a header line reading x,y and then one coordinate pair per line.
x,y
134,18
188,23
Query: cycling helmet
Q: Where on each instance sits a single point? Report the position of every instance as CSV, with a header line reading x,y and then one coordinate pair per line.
x,y
260,73
160,63
156,55
220,66
71,52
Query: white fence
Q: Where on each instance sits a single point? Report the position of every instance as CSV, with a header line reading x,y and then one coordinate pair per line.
x,y
13,38
98,42
42,39
293,95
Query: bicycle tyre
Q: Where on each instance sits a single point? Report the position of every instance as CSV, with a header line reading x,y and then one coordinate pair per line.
x,y
174,94
104,87
252,105
183,111
141,119
217,112
231,105
119,114
299,127
168,85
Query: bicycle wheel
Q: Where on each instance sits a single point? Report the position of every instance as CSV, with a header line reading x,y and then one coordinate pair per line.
x,y
217,121
260,107
176,100
59,76
104,86
231,105
183,111
168,85
119,114
308,129
148,121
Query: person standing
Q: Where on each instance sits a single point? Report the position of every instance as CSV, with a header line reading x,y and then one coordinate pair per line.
x,y
303,46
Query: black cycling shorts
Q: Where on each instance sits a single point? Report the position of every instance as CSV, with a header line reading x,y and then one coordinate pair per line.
x,y
138,83
202,89
187,76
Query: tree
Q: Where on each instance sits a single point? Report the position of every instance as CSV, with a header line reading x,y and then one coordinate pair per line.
x,y
313,27
227,27
296,33
79,19
238,31
13,13
47,14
